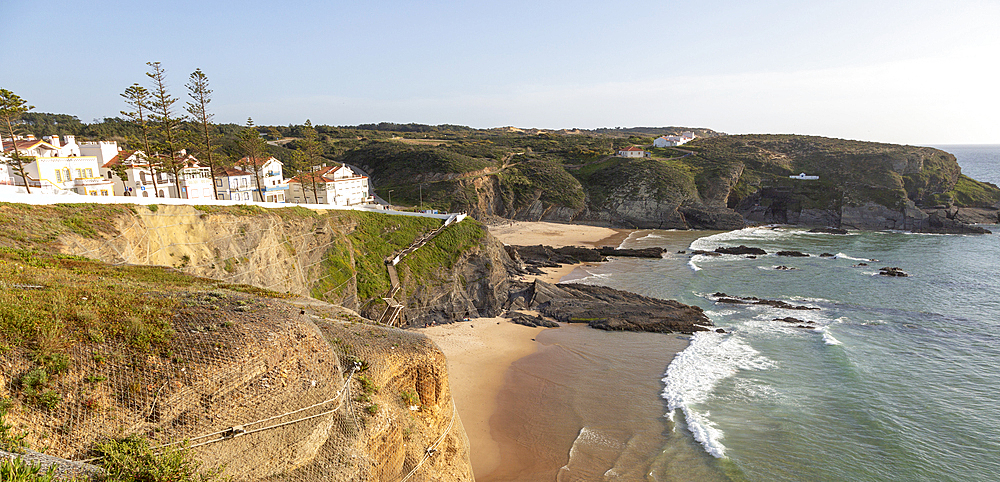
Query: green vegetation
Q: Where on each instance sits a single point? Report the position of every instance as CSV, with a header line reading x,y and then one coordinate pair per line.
x,y
10,440
132,459
17,470
409,398
23,225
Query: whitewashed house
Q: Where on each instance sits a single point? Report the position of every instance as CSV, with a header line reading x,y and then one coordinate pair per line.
x,y
273,187
337,185
138,179
804,177
58,168
234,184
632,151
195,180
672,141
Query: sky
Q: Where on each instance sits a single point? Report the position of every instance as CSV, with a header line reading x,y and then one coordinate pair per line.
x,y
909,72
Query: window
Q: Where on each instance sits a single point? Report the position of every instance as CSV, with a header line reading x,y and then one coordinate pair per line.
x,y
246,196
218,182
104,192
79,173
58,175
65,174
89,172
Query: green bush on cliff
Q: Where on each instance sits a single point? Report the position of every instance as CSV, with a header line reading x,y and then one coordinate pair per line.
x,y
132,459
969,192
444,250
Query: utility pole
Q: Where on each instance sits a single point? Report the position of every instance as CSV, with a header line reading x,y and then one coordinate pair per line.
x,y
390,198
421,189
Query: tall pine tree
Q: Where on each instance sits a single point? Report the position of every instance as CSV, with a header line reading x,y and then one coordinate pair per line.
x,y
138,98
206,143
165,122
252,146
11,108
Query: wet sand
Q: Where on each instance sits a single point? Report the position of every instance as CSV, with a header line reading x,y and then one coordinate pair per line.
x,y
479,353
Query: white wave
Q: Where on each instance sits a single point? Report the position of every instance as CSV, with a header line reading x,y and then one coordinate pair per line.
x,y
709,243
694,267
829,339
844,256
695,372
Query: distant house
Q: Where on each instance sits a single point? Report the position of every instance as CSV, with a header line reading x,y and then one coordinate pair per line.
x,y
234,184
273,187
337,185
632,151
671,141
804,177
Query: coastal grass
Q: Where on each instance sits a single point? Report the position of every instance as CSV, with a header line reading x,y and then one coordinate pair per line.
x,y
38,227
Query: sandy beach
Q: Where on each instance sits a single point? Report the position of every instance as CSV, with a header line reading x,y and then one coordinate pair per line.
x,y
479,353
526,233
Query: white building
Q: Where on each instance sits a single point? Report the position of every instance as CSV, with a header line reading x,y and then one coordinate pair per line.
x,y
338,185
58,168
632,151
272,181
671,141
234,184
138,179
804,177
195,181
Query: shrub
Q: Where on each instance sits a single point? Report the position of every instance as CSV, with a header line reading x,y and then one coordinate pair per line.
x,y
17,470
131,459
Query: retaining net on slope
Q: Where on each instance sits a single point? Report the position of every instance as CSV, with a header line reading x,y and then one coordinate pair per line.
x,y
261,387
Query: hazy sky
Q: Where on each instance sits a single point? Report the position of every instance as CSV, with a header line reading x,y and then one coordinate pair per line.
x,y
913,71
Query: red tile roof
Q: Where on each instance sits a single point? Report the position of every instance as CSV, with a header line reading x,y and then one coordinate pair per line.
x,y
231,171
632,149
257,161
121,156
24,145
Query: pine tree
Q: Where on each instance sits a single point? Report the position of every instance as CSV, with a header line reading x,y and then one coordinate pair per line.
x,y
138,98
313,151
207,142
254,148
11,107
162,115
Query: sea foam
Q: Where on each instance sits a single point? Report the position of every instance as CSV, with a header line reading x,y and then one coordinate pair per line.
x,y
695,372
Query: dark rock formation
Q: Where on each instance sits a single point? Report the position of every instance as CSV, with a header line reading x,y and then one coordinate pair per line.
x,y
533,321
887,271
783,268
828,230
827,255
705,253
789,319
610,309
797,254
549,257
741,249
753,300
654,252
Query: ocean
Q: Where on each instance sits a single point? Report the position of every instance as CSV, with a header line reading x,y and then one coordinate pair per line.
x,y
891,378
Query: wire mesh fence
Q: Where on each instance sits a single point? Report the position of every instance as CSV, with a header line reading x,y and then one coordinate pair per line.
x,y
260,387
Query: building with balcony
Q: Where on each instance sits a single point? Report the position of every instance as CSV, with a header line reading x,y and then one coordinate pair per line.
x,y
268,172
339,185
234,184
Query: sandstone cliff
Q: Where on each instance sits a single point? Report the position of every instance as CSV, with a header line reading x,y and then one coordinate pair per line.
x,y
266,383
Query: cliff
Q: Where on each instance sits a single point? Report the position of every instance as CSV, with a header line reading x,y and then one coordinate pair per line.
x,y
275,385
716,182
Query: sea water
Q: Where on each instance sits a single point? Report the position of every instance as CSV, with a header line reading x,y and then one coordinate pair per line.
x,y
891,378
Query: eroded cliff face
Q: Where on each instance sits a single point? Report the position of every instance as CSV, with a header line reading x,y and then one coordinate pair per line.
x,y
308,255
280,390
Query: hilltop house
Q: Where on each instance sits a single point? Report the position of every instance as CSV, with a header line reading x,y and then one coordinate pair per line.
x,y
337,185
632,151
272,184
804,177
55,167
234,184
671,141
